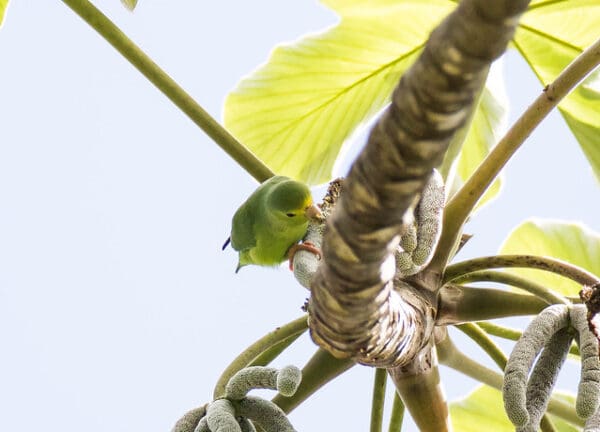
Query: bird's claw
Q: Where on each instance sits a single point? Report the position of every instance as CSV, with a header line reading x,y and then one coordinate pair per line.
x,y
307,246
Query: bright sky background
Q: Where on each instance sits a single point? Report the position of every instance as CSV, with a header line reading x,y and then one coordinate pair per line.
x,y
118,310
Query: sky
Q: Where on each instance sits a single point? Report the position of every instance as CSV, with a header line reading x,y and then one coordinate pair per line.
x,y
118,309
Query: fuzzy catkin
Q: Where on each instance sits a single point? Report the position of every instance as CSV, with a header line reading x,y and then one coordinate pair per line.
x,y
249,378
189,421
202,426
592,424
588,393
419,241
246,425
543,377
534,338
288,380
220,417
265,414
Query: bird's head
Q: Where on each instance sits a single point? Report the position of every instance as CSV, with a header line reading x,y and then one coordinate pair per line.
x,y
293,201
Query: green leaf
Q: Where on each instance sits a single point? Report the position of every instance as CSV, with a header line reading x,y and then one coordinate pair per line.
x,y
3,7
584,123
296,111
483,410
550,36
571,242
487,127
559,423
129,4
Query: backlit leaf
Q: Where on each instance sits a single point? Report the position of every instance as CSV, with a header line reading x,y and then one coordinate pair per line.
x,y
550,36
483,410
296,111
487,127
571,242
3,7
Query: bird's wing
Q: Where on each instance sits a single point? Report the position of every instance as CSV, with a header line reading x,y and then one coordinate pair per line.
x,y
251,215
242,229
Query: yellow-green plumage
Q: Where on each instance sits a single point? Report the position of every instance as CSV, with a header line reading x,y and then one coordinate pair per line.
x,y
270,221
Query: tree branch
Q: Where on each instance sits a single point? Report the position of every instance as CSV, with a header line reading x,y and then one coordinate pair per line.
x,y
420,387
552,265
378,400
397,416
551,297
459,304
277,336
354,310
113,35
460,206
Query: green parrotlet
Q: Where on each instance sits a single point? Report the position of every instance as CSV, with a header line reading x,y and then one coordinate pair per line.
x,y
267,227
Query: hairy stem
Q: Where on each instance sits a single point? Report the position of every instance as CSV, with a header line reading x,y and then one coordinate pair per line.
x,y
551,297
271,339
462,204
113,35
553,265
377,404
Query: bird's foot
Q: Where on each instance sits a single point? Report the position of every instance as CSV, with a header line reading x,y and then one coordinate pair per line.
x,y
307,246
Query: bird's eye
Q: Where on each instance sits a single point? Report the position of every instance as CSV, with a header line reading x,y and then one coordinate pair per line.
x,y
290,214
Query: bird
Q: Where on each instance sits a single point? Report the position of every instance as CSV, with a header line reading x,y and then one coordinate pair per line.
x,y
266,228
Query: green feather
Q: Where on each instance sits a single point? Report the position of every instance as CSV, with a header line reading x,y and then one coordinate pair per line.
x,y
270,221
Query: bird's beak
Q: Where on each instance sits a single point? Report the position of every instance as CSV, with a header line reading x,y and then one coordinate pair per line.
x,y
313,213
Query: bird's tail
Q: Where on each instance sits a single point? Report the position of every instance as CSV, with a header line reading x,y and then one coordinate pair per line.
x,y
226,243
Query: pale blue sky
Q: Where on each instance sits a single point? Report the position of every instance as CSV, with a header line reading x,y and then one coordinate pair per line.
x,y
118,310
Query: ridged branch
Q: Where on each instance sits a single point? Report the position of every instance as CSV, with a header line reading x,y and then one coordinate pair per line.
x,y
354,310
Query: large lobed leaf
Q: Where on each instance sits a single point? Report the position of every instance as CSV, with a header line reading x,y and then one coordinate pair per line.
x,y
470,146
296,111
550,36
482,410
571,242
3,6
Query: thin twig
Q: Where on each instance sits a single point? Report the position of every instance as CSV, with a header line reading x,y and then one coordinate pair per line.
x,y
397,416
295,327
551,297
462,204
113,35
553,265
485,343
511,334
377,404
